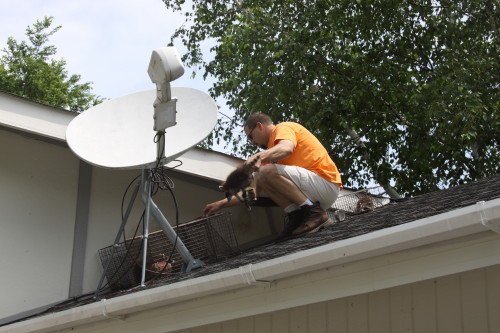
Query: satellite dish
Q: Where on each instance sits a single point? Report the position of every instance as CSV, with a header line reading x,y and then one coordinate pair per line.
x,y
129,132
119,133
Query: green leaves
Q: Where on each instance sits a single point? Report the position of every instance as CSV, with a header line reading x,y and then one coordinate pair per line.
x,y
29,70
418,81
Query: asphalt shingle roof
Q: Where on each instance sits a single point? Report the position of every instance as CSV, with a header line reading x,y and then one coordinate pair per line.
x,y
393,214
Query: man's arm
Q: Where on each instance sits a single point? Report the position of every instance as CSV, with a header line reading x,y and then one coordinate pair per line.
x,y
280,151
217,205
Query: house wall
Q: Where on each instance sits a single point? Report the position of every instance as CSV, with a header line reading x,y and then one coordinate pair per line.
x,y
108,189
37,215
465,302
41,191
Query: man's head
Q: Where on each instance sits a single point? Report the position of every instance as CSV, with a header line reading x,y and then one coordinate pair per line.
x,y
258,127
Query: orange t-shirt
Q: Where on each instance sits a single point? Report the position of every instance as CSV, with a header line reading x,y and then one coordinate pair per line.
x,y
308,153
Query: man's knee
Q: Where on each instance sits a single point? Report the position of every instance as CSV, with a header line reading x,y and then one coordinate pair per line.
x,y
266,172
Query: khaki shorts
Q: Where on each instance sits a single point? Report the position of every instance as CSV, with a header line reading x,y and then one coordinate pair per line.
x,y
313,186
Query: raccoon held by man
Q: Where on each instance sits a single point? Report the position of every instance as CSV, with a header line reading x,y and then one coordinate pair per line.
x,y
240,180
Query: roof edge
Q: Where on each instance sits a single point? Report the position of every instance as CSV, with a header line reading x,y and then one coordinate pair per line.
x,y
32,117
480,217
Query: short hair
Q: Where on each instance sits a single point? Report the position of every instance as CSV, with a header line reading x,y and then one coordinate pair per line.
x,y
257,117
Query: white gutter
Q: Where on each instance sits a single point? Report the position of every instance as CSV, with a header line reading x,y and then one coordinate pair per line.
x,y
480,217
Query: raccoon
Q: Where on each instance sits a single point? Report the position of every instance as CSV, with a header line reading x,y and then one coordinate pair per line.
x,y
364,205
241,180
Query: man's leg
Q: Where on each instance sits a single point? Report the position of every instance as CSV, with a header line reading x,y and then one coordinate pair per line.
x,y
285,193
280,189
321,195
311,185
310,218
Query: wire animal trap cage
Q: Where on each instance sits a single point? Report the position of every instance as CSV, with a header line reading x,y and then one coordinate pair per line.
x,y
123,256
208,239
358,202
361,201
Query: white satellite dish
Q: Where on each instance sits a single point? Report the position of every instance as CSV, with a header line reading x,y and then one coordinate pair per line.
x,y
129,132
119,133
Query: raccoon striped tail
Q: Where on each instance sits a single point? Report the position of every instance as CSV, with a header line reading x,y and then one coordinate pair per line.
x,y
251,164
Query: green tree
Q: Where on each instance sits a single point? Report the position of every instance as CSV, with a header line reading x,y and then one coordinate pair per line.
x,y
28,69
404,92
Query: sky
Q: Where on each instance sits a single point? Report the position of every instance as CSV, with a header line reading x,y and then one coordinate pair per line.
x,y
107,42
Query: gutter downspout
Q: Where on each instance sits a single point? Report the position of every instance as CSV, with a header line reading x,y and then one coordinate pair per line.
x,y
484,221
247,275
480,217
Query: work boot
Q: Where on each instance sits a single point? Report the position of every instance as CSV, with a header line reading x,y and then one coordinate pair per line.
x,y
315,218
295,219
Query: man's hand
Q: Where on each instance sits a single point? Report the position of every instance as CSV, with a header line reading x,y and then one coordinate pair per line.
x,y
213,207
257,164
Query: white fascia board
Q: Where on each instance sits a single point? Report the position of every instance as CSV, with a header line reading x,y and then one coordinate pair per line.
x,y
32,117
43,120
206,164
478,218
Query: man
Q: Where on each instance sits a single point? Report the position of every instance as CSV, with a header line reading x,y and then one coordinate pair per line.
x,y
294,170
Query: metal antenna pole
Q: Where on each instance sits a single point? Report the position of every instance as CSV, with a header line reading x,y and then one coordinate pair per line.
x,y
189,262
116,244
150,208
146,194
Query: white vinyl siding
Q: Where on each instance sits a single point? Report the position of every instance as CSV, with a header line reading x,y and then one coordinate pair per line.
x,y
467,302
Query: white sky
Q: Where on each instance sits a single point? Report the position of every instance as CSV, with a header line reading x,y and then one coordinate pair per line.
x,y
107,42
